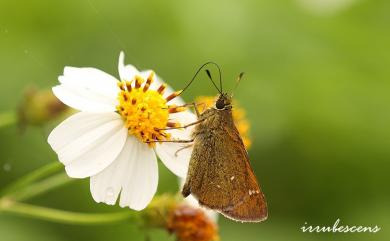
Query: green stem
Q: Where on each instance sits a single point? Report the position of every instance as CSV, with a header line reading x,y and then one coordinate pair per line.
x,y
29,186
65,217
7,118
40,187
31,177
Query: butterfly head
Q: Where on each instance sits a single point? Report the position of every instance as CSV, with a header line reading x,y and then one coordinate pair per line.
x,y
223,102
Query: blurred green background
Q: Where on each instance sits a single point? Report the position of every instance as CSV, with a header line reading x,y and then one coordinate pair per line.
x,y
316,91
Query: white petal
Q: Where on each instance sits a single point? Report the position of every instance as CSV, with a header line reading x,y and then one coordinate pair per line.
x,y
106,185
174,156
86,143
126,72
71,128
87,89
80,99
92,79
142,177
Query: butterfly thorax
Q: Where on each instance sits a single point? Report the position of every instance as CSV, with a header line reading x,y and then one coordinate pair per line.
x,y
214,119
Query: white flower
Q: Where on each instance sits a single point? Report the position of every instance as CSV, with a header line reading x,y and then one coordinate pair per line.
x,y
110,138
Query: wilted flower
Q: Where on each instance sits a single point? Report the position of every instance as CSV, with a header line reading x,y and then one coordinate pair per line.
x,y
239,117
113,138
192,224
186,221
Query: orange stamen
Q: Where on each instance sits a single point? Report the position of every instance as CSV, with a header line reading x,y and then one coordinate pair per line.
x,y
173,95
120,85
161,89
128,85
138,81
173,124
175,109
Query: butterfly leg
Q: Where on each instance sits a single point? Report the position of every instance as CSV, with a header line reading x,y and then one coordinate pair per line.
x,y
195,105
183,148
172,141
183,127
196,108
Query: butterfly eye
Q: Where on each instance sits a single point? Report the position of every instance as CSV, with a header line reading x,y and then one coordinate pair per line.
x,y
220,104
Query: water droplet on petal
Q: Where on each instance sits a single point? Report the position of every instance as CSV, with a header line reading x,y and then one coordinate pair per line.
x,y
110,194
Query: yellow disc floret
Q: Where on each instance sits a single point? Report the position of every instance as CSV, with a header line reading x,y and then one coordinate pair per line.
x,y
145,111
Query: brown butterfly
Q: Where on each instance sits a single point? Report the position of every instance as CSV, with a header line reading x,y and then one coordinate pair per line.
x,y
220,175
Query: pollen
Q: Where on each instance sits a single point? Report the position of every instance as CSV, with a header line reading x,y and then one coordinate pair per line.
x,y
145,111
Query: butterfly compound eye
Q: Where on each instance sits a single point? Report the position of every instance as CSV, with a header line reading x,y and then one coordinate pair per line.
x,y
220,103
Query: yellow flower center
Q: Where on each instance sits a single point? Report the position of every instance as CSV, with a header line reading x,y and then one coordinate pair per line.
x,y
145,111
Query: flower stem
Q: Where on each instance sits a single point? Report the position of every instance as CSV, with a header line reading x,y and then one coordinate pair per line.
x,y
31,185
66,217
7,118
31,177
40,187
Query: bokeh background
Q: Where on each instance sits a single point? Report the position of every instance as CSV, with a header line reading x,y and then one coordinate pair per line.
x,y
316,91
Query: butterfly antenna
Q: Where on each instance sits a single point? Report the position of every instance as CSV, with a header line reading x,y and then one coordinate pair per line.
x,y
237,82
208,74
211,78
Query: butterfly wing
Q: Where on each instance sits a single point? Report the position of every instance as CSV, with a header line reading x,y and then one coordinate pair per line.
x,y
220,175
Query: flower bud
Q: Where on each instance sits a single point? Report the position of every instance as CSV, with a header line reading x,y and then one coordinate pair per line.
x,y
39,107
